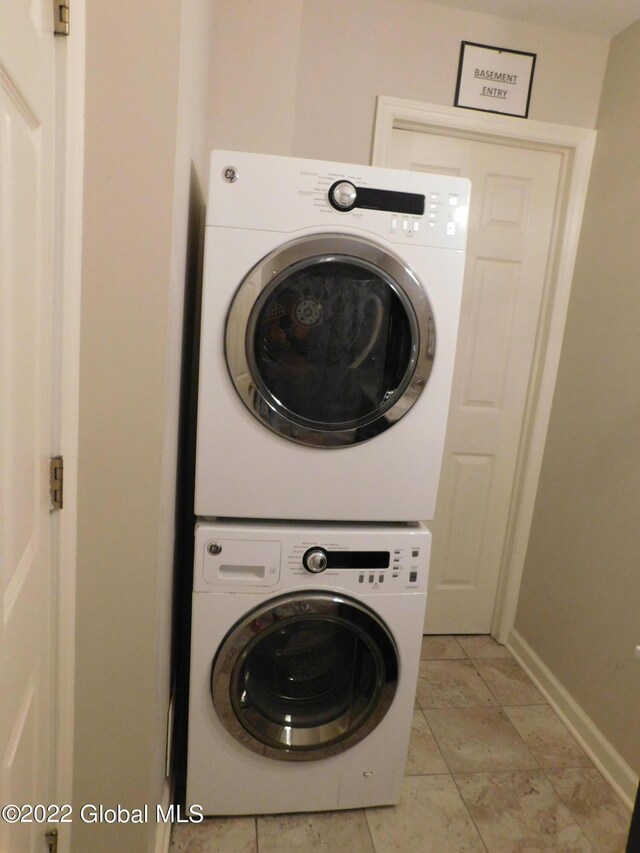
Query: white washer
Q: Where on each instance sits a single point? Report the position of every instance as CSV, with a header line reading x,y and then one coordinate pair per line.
x,y
303,679
330,312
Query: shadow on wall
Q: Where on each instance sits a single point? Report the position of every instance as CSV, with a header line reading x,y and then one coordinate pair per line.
x,y
185,484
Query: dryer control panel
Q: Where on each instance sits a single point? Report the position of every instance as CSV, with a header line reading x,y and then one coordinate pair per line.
x,y
366,559
263,192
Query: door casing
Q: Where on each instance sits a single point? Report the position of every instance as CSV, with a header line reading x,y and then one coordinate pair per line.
x,y
70,99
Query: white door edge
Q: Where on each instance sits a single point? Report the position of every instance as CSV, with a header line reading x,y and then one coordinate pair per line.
x,y
576,145
70,133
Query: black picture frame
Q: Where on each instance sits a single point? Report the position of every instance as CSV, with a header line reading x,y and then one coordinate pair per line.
x,y
469,101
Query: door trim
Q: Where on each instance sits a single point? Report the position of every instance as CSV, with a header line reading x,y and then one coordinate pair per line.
x,y
575,146
70,89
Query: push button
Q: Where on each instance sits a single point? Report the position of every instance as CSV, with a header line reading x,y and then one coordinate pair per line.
x,y
380,578
413,577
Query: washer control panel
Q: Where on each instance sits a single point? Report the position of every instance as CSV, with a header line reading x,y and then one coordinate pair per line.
x,y
367,559
371,568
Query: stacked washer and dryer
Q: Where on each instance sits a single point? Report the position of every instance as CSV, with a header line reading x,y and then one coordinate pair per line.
x,y
330,309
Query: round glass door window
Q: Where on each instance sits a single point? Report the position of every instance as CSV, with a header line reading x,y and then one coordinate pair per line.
x,y
330,340
305,676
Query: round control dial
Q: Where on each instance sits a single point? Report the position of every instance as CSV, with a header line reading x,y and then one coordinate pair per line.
x,y
342,195
315,560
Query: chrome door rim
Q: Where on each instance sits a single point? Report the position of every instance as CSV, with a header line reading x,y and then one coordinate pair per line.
x,y
266,275
268,738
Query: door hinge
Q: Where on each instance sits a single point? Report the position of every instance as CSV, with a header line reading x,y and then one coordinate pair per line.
x,y
51,838
61,17
56,478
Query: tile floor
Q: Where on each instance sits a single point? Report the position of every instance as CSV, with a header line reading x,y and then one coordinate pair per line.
x,y
491,769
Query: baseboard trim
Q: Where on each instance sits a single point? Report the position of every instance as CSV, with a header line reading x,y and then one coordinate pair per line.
x,y
163,828
608,761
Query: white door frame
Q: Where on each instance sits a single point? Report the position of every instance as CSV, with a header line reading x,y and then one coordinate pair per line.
x,y
576,146
70,91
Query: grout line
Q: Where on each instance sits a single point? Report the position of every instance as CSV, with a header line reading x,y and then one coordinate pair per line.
x,y
255,828
547,770
569,809
366,818
473,661
482,841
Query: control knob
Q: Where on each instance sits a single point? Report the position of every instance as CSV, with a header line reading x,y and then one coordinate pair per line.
x,y
342,195
315,560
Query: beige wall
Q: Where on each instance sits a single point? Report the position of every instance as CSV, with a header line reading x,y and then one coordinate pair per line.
x,y
191,177
301,77
580,601
145,123
255,56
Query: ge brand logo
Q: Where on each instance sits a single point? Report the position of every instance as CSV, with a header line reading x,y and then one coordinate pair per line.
x,y
230,174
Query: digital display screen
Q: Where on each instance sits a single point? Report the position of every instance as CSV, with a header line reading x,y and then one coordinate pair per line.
x,y
389,200
358,559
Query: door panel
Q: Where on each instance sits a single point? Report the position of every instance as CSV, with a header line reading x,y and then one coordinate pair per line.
x,y
26,276
513,202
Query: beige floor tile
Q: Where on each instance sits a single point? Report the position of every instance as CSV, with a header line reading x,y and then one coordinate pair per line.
x,y
438,647
547,737
452,684
518,812
322,832
424,756
215,835
595,806
508,682
430,818
478,739
482,646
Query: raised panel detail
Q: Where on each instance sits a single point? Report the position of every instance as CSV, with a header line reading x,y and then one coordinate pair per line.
x,y
433,169
470,482
495,293
20,765
28,361
506,202
20,380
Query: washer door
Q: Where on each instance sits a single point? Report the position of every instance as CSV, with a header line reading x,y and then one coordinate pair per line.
x,y
330,340
305,676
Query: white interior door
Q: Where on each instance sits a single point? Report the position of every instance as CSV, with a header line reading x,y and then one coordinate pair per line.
x,y
27,655
513,203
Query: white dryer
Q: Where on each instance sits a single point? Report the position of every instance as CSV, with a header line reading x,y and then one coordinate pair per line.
x,y
330,310
304,661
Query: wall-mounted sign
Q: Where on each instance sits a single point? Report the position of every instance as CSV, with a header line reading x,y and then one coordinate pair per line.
x,y
494,79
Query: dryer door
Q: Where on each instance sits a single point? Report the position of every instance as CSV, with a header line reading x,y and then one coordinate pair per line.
x,y
305,676
339,340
